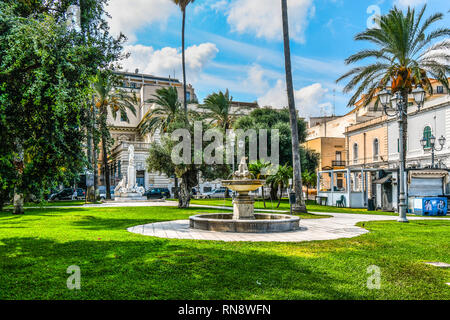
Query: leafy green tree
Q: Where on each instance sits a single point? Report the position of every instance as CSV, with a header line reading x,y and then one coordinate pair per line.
x,y
259,170
110,100
160,160
217,107
309,179
268,118
183,6
280,180
45,73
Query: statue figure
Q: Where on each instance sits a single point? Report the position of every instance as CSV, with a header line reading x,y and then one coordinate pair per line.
x,y
119,186
243,172
131,172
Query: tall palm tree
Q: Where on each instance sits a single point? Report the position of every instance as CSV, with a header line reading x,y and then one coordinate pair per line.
x,y
183,5
280,180
165,112
258,169
299,205
107,98
405,57
217,108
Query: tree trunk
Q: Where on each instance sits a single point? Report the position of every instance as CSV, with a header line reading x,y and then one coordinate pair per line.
x,y
185,195
281,195
176,194
273,192
299,205
106,171
18,203
94,151
183,57
263,196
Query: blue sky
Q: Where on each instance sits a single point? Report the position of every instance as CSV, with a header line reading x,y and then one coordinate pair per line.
x,y
237,44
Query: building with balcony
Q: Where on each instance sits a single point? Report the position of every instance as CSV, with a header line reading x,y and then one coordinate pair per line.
x,y
126,132
372,150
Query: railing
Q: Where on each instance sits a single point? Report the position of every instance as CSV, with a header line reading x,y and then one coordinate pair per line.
x,y
339,163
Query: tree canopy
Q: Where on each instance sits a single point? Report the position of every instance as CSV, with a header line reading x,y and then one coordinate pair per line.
x,y
46,70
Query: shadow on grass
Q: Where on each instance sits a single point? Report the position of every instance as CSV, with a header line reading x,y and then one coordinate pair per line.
x,y
158,269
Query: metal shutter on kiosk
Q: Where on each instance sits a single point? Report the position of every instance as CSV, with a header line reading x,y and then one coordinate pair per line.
x,y
426,187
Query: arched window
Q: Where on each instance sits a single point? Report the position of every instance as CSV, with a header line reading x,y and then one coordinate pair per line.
x,y
427,135
376,150
355,153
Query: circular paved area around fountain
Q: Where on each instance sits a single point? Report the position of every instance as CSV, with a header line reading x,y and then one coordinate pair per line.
x,y
339,226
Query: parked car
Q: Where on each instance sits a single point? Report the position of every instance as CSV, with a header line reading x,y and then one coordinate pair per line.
x,y
65,194
157,193
217,193
102,192
80,194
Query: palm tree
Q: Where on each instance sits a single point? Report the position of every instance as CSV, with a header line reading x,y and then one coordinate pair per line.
x,y
109,99
280,180
299,205
309,179
160,118
217,108
258,169
183,5
405,57
165,112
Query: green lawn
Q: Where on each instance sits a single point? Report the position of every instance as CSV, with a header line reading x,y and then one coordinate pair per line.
x,y
67,203
36,249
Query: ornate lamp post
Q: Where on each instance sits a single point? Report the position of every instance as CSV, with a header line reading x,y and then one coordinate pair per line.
x,y
399,109
431,144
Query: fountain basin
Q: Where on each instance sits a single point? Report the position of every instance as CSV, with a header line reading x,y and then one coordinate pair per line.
x,y
263,223
243,186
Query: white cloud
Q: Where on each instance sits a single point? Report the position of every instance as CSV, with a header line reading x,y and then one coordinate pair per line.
x,y
166,61
263,18
308,100
131,15
409,3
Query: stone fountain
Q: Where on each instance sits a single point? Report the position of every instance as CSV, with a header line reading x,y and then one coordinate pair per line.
x,y
243,219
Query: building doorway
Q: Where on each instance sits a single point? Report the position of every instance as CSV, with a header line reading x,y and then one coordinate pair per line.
x,y
140,178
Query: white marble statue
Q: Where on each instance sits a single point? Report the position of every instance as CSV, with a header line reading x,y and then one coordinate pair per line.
x,y
243,171
120,186
131,172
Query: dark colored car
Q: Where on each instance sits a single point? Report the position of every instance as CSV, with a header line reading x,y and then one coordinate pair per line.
x,y
157,193
65,194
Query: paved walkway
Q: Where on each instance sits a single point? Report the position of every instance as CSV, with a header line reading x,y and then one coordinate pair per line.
x,y
339,226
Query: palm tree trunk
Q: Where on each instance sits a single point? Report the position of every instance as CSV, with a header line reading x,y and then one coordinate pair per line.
x,y
183,57
299,205
106,167
280,187
263,196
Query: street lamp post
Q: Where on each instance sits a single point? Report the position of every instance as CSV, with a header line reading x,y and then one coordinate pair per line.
x,y
400,106
432,145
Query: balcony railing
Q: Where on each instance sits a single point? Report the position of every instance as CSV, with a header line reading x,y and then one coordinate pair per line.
x,y
338,163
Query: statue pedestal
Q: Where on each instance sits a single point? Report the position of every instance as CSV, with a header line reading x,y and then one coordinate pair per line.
x,y
243,207
129,196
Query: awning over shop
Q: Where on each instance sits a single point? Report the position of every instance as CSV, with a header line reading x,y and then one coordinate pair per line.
x,y
384,180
